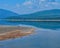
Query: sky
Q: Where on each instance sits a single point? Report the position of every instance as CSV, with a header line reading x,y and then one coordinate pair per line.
x,y
29,6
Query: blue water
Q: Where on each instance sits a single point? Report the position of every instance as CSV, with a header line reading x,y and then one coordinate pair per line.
x,y
48,25
47,35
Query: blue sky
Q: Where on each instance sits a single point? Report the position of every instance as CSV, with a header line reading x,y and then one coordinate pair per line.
x,y
29,6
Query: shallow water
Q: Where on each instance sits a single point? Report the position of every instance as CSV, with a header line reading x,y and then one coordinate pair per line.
x,y
47,35
42,38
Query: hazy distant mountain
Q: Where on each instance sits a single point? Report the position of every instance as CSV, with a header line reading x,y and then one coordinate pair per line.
x,y
5,13
55,13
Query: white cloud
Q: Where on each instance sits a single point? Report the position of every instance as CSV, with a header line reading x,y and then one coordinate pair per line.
x,y
42,0
46,5
27,3
55,3
18,5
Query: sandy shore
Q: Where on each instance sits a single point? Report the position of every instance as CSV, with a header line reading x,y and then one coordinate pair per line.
x,y
14,32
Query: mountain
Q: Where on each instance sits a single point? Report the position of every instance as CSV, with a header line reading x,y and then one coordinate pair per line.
x,y
5,13
54,13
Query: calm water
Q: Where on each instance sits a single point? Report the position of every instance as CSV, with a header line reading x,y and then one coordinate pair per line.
x,y
48,25
47,35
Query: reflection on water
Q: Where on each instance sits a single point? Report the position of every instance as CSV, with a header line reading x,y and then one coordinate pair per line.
x,y
42,38
47,35
48,25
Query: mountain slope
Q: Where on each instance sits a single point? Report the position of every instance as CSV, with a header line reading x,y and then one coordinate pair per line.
x,y
6,13
44,14
54,13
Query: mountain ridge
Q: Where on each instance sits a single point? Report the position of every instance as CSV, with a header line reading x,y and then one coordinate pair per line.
x,y
5,13
54,13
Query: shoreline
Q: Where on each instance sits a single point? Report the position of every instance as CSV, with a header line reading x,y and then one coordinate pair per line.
x,y
16,32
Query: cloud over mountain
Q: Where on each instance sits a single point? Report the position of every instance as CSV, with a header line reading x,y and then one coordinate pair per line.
x,y
29,6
